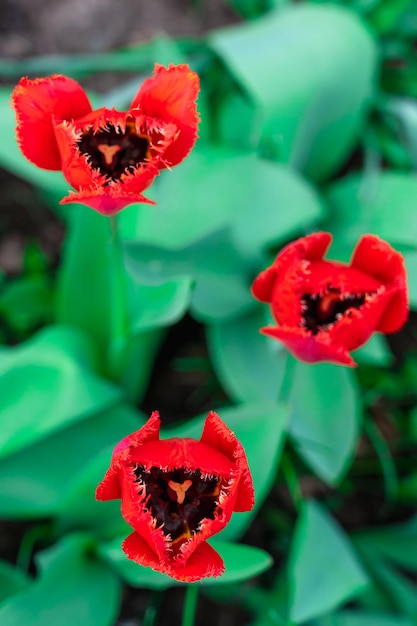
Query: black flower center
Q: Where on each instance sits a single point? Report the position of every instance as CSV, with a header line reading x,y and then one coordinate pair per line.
x,y
179,499
114,152
319,311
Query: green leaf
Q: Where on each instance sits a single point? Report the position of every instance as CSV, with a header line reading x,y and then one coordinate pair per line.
x,y
241,562
92,289
46,384
249,365
381,204
375,352
221,275
70,590
204,194
323,567
26,302
37,479
361,618
261,430
395,587
312,118
155,306
397,542
12,580
325,418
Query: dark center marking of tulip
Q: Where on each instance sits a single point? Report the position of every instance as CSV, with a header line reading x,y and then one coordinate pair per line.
x,y
319,311
179,499
114,152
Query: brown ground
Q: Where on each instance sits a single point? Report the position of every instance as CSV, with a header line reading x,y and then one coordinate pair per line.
x,y
32,27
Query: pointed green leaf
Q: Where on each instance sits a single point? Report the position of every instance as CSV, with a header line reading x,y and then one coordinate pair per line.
x,y
325,418
12,580
249,365
34,481
221,274
47,384
364,204
324,569
70,590
265,203
312,118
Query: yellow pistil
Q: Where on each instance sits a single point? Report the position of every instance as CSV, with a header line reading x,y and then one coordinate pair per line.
x,y
180,489
108,152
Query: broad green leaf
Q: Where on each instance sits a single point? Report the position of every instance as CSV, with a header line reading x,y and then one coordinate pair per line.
x,y
46,384
155,306
12,580
34,481
313,118
397,542
397,588
324,569
261,430
325,418
92,292
249,365
290,212
70,590
382,204
241,562
221,275
217,187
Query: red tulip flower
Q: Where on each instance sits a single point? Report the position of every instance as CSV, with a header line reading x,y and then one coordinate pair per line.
x,y
109,157
325,309
176,493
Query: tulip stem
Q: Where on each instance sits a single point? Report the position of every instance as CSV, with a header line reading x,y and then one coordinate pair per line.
x,y
385,459
287,379
292,482
119,303
190,605
152,610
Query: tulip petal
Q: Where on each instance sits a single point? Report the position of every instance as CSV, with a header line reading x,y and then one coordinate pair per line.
x,y
376,257
105,203
204,561
218,436
37,104
170,96
309,348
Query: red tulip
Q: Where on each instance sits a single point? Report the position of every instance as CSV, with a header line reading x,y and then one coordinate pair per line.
x,y
108,156
176,493
325,309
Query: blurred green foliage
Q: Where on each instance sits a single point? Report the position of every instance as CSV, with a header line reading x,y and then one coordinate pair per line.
x,y
309,121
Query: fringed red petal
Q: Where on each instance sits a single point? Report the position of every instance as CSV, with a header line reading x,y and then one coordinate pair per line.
x,y
170,95
38,104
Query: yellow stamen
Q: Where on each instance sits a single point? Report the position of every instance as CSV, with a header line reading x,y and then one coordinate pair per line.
x,y
108,152
180,489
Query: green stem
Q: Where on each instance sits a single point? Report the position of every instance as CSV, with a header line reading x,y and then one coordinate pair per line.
x,y
27,545
152,610
287,466
383,452
119,304
287,379
292,482
190,605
